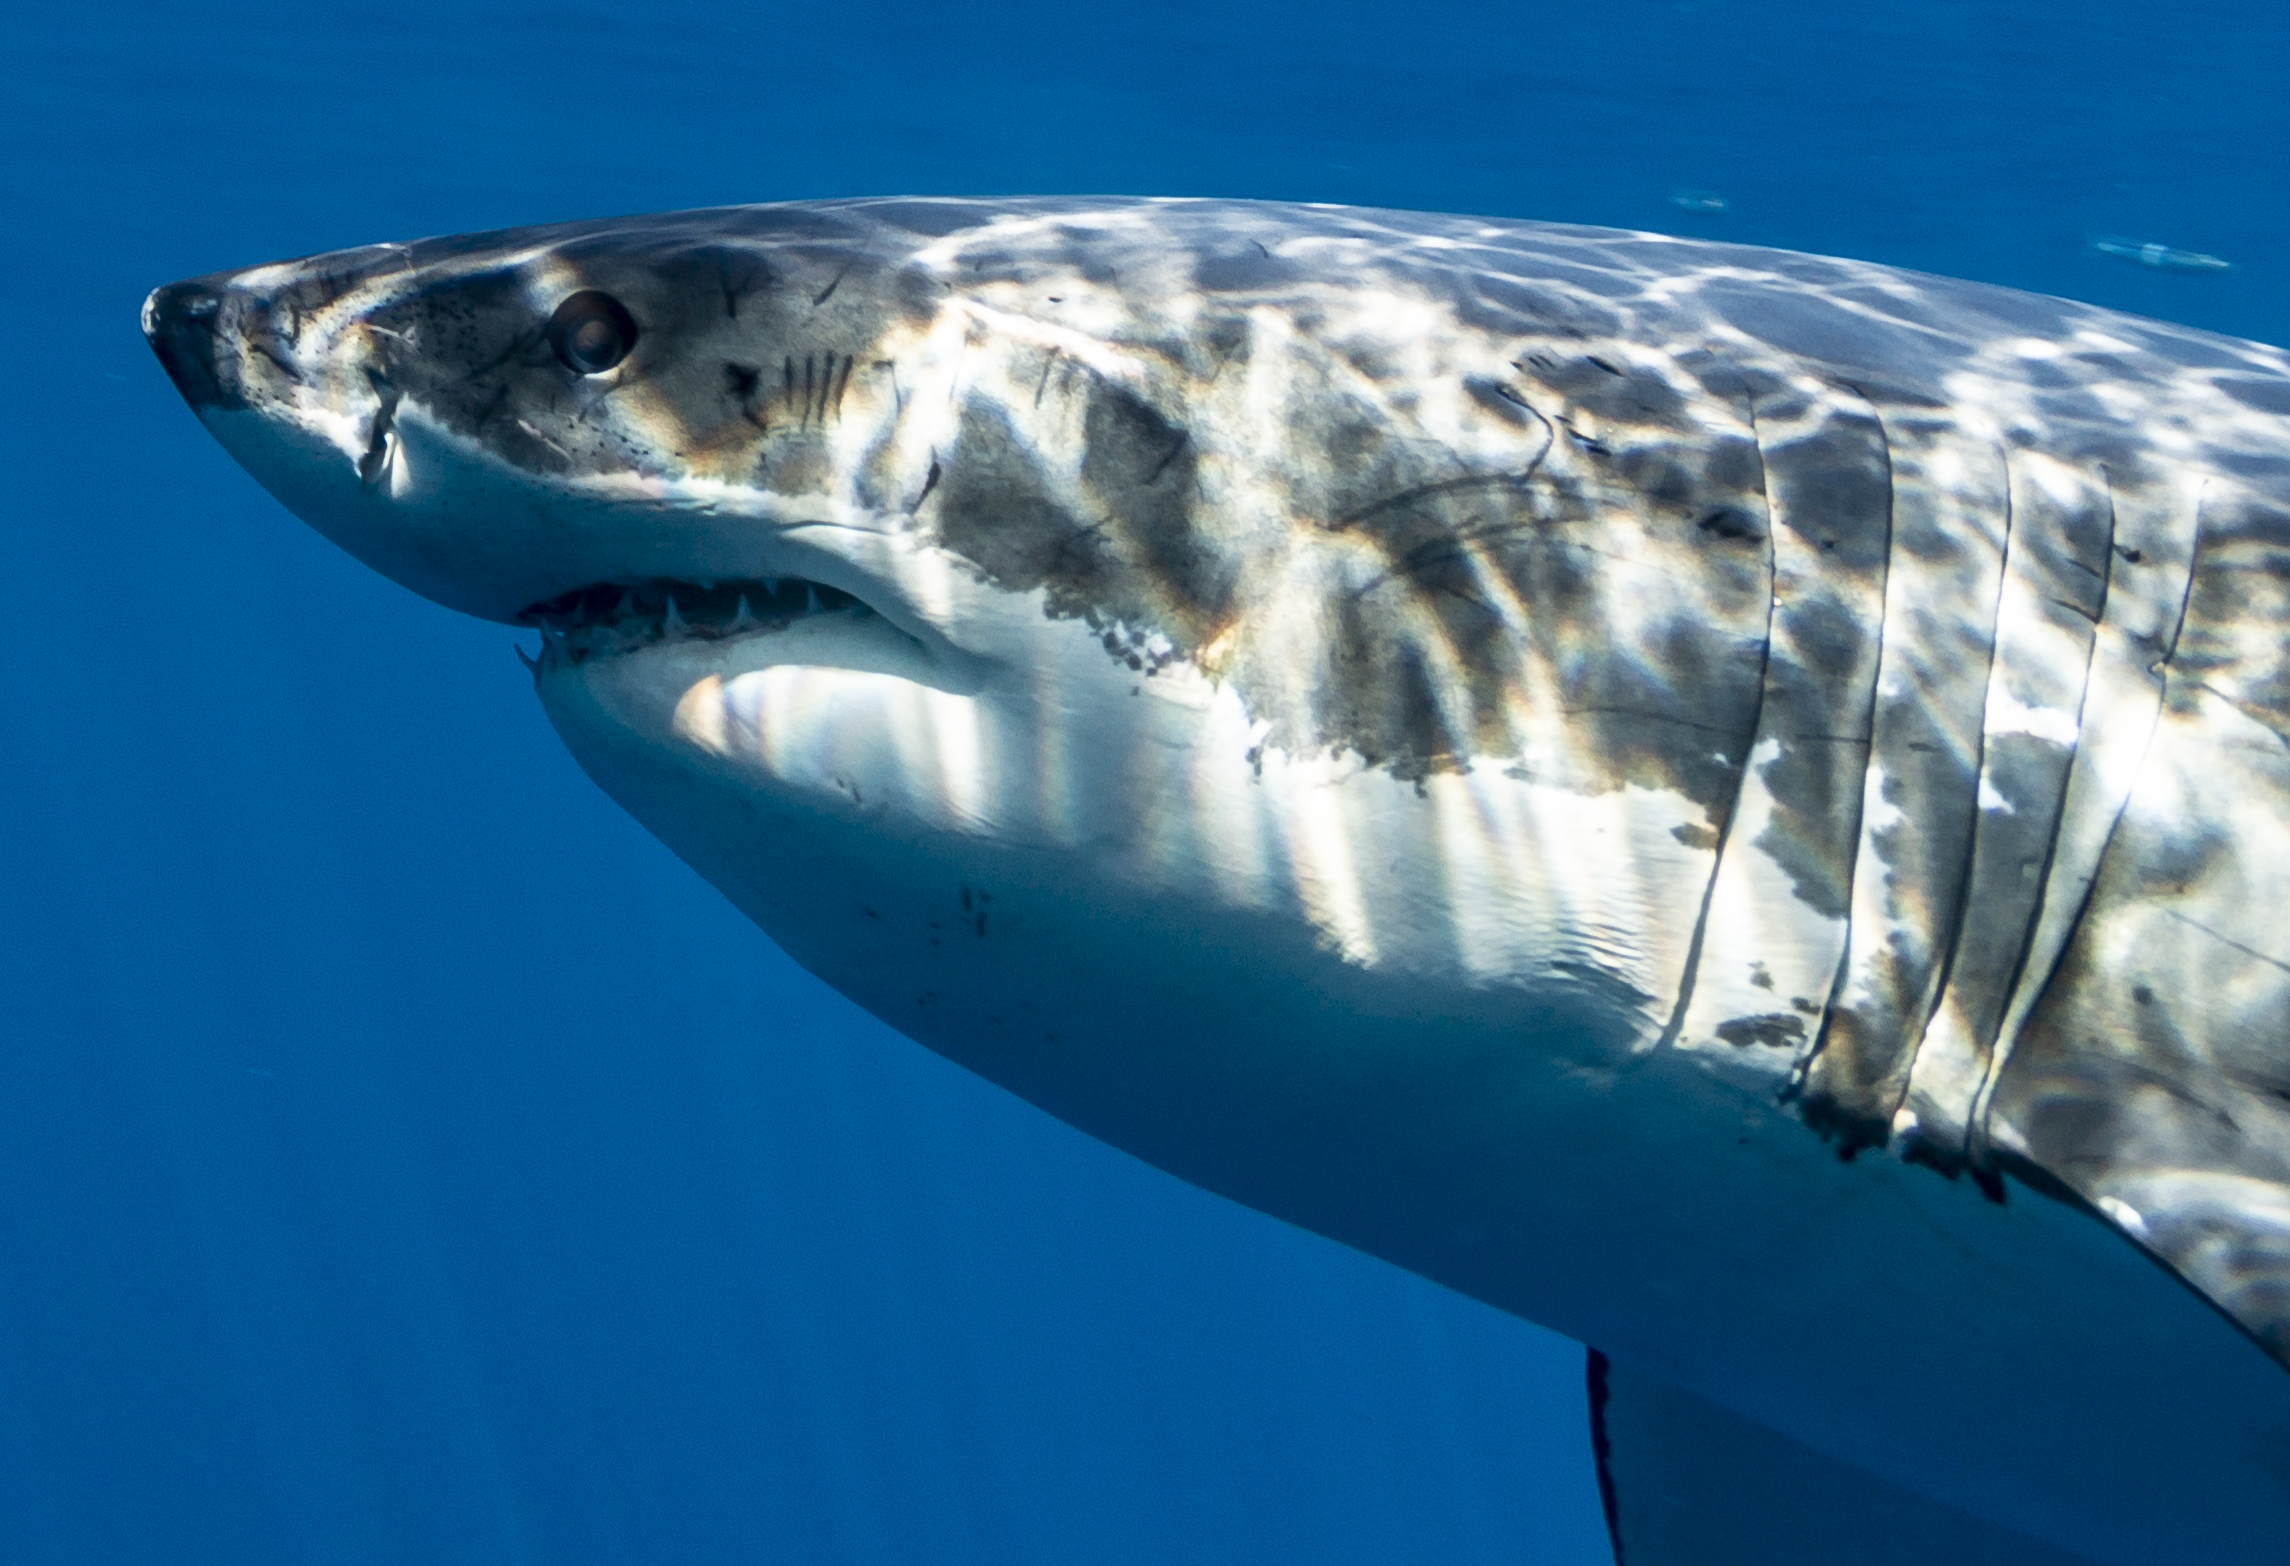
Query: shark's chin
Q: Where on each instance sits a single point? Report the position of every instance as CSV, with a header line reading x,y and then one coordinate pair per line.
x,y
835,714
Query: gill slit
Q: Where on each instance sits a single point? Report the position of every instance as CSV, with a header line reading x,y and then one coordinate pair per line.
x,y
1693,962
1945,970
1801,1072
1983,1102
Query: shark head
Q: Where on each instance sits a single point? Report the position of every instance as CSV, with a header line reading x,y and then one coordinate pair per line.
x,y
709,459
935,578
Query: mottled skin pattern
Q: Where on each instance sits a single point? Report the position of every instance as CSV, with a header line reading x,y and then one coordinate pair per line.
x,y
1946,619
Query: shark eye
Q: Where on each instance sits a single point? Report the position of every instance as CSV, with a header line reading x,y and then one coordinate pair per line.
x,y
591,332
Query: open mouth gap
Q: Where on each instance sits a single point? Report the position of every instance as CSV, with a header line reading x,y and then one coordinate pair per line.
x,y
606,618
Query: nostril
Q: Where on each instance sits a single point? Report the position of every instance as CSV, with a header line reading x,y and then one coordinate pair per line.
x,y
180,320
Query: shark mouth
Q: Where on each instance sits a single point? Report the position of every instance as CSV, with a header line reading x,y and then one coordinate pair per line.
x,y
609,619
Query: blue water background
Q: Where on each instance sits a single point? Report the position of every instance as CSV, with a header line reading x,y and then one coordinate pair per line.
x,y
403,1159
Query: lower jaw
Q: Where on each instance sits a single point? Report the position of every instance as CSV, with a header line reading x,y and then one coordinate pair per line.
x,y
826,721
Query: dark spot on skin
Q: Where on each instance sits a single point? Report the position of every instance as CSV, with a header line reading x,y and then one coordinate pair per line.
x,y
2143,995
1775,1030
1852,1129
1729,525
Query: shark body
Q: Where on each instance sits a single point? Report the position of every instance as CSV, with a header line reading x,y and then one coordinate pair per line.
x,y
1733,804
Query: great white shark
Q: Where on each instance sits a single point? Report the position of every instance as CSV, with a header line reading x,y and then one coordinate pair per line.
x,y
1732,804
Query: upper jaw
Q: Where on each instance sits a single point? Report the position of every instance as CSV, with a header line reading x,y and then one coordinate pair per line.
x,y
296,385
324,432
456,524
295,368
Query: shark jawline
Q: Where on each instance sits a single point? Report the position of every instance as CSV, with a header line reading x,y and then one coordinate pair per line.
x,y
612,619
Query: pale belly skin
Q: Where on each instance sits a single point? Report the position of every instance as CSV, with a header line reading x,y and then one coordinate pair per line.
x,y
1730,804
2018,1359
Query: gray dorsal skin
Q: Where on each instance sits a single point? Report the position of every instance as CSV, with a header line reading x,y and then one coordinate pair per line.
x,y
1514,746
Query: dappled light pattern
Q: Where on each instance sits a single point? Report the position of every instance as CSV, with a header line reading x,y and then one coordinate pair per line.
x,y
1869,686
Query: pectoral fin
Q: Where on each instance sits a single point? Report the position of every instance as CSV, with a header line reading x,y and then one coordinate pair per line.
x,y
1685,1483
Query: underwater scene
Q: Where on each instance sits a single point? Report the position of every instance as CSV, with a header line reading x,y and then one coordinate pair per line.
x,y
405,1156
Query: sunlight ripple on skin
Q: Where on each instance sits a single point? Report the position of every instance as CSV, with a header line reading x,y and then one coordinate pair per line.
x,y
1725,802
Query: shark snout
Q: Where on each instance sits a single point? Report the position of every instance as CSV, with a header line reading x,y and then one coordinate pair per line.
x,y
180,322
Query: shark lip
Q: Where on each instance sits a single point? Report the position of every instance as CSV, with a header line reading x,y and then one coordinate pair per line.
x,y
613,619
